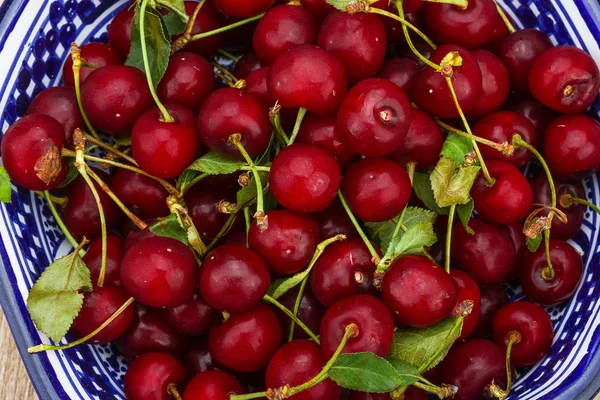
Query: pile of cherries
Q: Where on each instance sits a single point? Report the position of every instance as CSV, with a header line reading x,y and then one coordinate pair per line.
x,y
364,112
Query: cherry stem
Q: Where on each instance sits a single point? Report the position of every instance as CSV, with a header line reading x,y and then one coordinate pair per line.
x,y
385,262
172,390
454,333
76,57
59,221
190,25
166,117
404,23
570,199
187,187
224,79
411,166
226,73
504,148
290,314
513,337
109,149
509,25
224,230
248,223
61,201
226,28
490,181
449,237
260,211
459,3
297,307
46,347
442,392
375,257
275,118
228,55
299,118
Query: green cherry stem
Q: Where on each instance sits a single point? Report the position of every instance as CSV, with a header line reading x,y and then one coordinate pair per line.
x,y
290,314
224,230
109,149
442,392
228,55
187,187
404,23
566,200
299,118
275,118
459,3
375,257
47,347
60,222
226,28
504,148
509,25
449,237
248,223
513,337
61,201
185,37
76,57
297,306
226,73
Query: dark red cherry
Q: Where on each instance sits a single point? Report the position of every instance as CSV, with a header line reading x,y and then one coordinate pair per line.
x,y
135,236
418,292
97,307
495,84
247,64
374,117
508,200
28,147
333,221
358,40
534,327
233,279
320,131
471,366
150,331
256,85
304,178
96,54
281,28
146,195
228,111
187,82
202,201
488,256
298,362
573,211
401,71
422,144
432,94
374,321
194,318
539,115
568,269
467,289
246,342
288,243
198,359
149,377
119,31
115,108
572,146
310,312
515,231
393,28
115,251
308,77
376,189
343,270
212,385
493,298
422,47
518,51
243,8
159,272
59,103
500,127
499,32
206,21
565,78
319,8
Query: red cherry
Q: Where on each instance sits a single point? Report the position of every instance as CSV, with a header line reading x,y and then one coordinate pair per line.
x,y
243,8
493,298
143,193
374,117
206,21
310,312
308,77
495,84
304,178
418,291
534,327
256,85
515,231
159,272
119,31
114,254
539,115
319,8
499,32
198,359
467,289
246,342
96,54
135,236
298,362
358,40
402,72
25,146
194,318
376,189
375,326
333,221
149,377
422,47
202,201
320,131
247,64
212,385
568,269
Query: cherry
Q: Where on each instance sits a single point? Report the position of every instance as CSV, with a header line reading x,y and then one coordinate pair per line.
x,y
418,291
206,21
374,321
149,377
568,269
572,146
573,211
393,28
495,84
401,71
335,221
422,47
256,85
31,148
115,108
500,127
228,111
187,82
499,32
422,144
159,272
194,318
212,385
432,94
319,8
96,54
146,195
119,31
60,103
508,200
320,131
245,342
467,289
310,312
518,51
515,231
202,201
493,298
304,178
135,235
376,189
358,40
309,77
539,115
374,117
198,359
471,366
247,64
243,8
114,254
534,328
233,279
488,256
298,362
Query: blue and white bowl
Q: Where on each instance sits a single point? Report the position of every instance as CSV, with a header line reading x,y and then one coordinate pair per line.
x,y
35,37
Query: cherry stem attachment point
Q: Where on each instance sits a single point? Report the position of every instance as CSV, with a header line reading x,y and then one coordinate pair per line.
x,y
509,25
566,200
513,337
275,118
442,392
449,237
76,57
172,390
60,222
375,256
287,312
299,119
226,28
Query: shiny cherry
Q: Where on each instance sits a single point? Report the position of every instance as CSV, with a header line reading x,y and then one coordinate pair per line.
x,y
115,250
256,85
244,8
539,115
145,195
333,221
202,201
401,71
493,298
212,385
149,377
422,47
194,318
119,31
467,289
320,131
515,231
205,21
319,8
310,312
247,64
198,359
495,84
96,54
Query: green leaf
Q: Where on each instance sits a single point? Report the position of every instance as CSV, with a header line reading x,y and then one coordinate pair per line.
x,y
174,24
407,371
414,239
248,193
72,173
339,4
452,186
282,286
55,299
465,211
416,346
170,227
186,178
422,188
534,243
365,372
5,189
415,215
158,44
456,147
215,164
177,8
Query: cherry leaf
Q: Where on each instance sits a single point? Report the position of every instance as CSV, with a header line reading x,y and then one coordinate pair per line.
x,y
171,228
452,186
340,5
215,164
174,24
534,243
456,147
409,372
177,8
366,372
282,286
5,189
423,190
465,211
72,173
418,236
